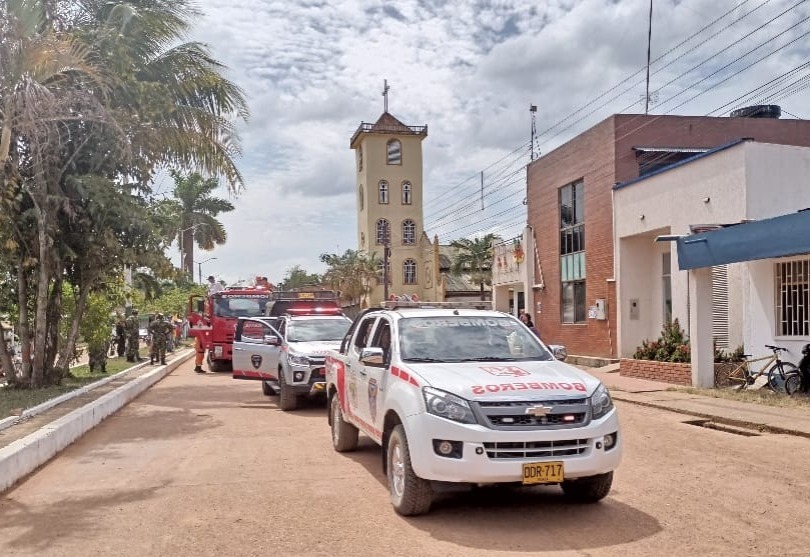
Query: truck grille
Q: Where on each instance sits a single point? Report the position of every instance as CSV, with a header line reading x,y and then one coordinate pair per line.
x,y
536,449
548,414
317,360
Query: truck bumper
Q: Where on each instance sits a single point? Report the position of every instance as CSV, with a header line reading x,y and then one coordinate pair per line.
x,y
488,456
307,381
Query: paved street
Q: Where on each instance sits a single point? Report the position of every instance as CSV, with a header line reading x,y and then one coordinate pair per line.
x,y
203,465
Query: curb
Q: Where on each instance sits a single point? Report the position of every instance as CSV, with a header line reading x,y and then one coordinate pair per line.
x,y
761,427
24,456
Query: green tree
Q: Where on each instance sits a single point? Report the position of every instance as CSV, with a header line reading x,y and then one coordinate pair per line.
x,y
353,274
297,277
473,259
194,211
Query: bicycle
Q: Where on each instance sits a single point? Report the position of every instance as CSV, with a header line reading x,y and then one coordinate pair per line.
x,y
782,376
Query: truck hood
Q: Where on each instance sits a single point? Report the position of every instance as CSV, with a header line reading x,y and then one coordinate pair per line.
x,y
495,381
315,348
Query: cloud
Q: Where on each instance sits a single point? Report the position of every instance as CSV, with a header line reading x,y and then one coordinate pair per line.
x,y
313,71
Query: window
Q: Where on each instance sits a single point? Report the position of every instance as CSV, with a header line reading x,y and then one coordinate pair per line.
x,y
383,192
408,232
572,253
394,149
360,196
409,271
382,231
407,193
360,159
793,298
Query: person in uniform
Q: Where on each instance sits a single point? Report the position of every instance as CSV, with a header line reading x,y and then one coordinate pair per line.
x,y
120,336
133,340
97,358
160,330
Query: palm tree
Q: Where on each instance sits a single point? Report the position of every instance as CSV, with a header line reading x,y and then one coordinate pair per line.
x,y
194,210
473,258
352,273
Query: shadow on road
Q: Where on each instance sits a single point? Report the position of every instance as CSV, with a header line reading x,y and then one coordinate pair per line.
x,y
37,529
531,519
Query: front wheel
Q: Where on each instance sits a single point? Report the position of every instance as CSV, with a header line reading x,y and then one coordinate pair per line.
x,y
344,434
410,494
288,400
777,378
588,490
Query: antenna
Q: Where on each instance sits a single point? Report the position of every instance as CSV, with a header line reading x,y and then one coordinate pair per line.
x,y
533,110
385,95
649,43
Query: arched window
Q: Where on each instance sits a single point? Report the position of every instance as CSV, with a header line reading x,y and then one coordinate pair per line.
x,y
394,149
383,192
408,232
409,271
360,197
382,231
407,193
360,159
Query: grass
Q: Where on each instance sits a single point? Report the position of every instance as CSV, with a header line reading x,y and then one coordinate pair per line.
x,y
757,396
14,401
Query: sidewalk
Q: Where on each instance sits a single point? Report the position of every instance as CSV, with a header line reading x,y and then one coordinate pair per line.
x,y
670,397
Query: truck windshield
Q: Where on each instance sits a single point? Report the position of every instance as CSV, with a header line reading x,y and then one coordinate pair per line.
x,y
459,339
234,305
311,330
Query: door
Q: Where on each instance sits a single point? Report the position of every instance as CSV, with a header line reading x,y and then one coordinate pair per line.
x,y
373,377
355,375
256,349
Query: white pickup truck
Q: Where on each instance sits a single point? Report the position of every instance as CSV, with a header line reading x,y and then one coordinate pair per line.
x,y
462,397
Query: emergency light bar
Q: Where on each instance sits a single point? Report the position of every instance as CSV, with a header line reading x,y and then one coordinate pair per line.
x,y
312,295
309,310
395,304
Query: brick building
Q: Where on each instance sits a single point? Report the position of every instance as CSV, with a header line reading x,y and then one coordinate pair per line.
x,y
570,211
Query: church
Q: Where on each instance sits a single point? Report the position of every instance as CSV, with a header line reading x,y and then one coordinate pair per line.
x,y
390,188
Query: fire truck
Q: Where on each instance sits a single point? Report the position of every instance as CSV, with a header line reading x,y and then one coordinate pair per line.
x,y
213,318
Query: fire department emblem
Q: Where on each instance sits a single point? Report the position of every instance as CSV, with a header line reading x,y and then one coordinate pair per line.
x,y
506,371
372,399
256,360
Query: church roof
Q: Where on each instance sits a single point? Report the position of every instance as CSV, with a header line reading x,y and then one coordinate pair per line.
x,y
386,124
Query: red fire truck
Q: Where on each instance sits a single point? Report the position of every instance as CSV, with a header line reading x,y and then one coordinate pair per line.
x,y
214,317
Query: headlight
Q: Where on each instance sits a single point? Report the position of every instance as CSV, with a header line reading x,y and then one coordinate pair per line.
x,y
297,359
601,403
448,406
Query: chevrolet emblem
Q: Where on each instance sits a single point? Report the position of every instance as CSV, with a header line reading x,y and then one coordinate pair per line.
x,y
538,411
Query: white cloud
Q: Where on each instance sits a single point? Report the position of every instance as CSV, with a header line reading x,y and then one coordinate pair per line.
x,y
313,70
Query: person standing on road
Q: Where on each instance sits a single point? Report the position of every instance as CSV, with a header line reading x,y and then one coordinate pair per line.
x,y
160,330
133,340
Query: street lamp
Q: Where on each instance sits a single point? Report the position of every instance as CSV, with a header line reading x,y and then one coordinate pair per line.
x,y
199,267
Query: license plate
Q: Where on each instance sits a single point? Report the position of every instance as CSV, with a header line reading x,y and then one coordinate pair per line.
x,y
542,472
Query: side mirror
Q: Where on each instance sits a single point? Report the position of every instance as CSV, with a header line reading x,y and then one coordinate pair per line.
x,y
559,351
372,356
272,340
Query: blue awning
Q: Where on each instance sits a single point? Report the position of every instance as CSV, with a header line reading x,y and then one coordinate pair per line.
x,y
781,236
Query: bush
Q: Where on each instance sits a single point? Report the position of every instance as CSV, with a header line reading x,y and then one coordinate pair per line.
x,y
671,346
721,356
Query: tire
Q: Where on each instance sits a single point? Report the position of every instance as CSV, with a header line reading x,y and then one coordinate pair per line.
x,y
793,383
214,366
344,434
267,390
777,379
288,400
410,494
588,490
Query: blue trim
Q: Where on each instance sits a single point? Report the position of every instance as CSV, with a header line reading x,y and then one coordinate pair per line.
x,y
780,236
680,163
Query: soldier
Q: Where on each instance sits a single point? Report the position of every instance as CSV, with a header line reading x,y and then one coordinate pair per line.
x,y
160,330
133,330
98,358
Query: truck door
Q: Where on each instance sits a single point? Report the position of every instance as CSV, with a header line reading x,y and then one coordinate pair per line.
x,y
355,374
373,376
256,348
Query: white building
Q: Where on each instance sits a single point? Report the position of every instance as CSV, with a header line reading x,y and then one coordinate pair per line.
x,y
752,301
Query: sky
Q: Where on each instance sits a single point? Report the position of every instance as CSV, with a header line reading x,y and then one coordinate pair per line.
x,y
313,70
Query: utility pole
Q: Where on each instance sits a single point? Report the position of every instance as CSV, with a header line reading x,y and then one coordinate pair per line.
x,y
649,45
386,259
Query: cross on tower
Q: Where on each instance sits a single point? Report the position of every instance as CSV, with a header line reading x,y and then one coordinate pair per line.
x,y
385,95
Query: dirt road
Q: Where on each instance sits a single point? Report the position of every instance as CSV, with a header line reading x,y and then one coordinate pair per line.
x,y
202,465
